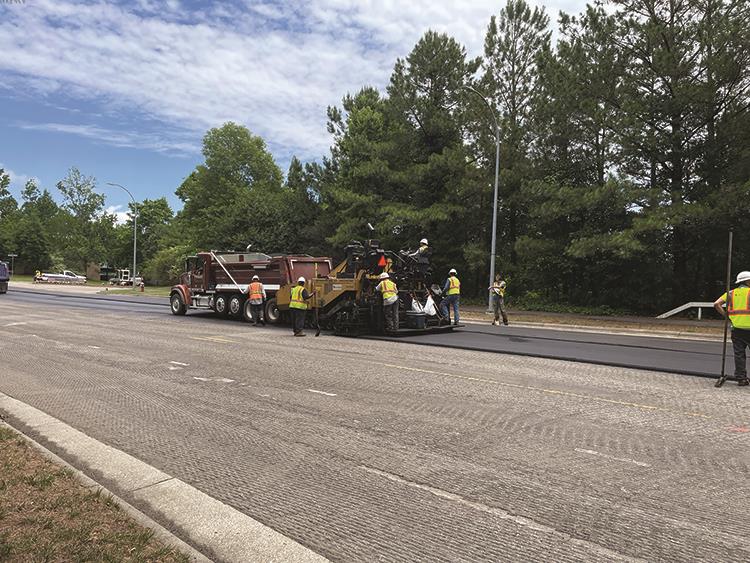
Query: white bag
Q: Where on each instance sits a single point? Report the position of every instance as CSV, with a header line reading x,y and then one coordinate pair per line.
x,y
429,307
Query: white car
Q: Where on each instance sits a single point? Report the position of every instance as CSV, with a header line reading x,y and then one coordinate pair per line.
x,y
66,276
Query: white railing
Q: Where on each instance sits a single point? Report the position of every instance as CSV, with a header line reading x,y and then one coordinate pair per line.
x,y
700,305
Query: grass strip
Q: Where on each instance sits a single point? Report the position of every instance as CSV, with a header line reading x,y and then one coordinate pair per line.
x,y
47,515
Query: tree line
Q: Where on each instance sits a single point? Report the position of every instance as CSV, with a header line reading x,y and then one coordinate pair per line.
x,y
624,160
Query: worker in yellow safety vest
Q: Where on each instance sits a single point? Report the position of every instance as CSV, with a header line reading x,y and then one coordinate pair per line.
x,y
256,295
390,301
738,309
298,306
497,292
452,292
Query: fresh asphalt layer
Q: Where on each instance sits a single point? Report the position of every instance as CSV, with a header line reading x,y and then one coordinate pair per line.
x,y
674,355
367,450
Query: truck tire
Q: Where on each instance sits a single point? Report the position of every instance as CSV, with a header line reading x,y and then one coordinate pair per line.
x,y
177,305
221,304
273,315
235,305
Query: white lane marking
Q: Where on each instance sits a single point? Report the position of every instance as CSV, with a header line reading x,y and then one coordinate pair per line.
x,y
16,324
601,551
219,379
94,347
613,458
322,393
179,364
173,368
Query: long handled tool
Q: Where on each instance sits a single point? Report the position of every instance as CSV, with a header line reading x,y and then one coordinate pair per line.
x,y
315,293
724,375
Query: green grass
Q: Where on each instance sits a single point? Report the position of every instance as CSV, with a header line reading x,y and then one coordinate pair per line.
x,y
46,515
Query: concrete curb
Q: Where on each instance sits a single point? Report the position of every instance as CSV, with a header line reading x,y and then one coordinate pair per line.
x,y
212,527
160,532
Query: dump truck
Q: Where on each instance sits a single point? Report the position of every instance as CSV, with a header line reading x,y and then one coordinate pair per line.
x,y
219,281
4,277
344,298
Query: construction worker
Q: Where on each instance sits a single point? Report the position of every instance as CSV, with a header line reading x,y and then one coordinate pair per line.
x,y
452,292
298,306
497,291
738,309
390,301
256,294
422,251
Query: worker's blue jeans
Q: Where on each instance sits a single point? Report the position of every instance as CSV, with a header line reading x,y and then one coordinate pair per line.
x,y
740,341
450,301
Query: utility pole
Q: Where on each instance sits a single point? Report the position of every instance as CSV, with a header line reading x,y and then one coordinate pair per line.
x,y
135,228
494,200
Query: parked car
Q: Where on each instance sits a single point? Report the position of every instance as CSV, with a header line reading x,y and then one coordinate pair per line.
x,y
4,277
66,276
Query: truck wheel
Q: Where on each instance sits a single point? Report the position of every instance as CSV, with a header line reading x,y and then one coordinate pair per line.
x,y
220,304
235,305
273,315
178,307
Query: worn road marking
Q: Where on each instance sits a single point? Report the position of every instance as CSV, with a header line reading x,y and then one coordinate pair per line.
x,y
613,458
599,550
179,364
322,393
16,324
94,347
553,392
173,368
219,339
219,379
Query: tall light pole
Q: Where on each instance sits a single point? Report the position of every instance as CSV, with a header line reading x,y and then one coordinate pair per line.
x,y
135,227
494,206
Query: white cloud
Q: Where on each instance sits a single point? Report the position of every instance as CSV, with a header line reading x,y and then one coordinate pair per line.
x,y
272,66
121,217
17,180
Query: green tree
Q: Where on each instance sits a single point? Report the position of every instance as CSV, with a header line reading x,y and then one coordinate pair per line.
x,y
236,196
513,47
87,226
8,210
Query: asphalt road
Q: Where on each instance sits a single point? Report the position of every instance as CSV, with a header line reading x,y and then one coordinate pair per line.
x,y
367,450
692,357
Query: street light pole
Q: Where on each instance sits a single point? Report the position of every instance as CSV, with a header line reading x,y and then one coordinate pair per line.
x,y
494,206
135,227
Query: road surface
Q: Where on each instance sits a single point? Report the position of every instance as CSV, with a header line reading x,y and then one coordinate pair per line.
x,y
368,450
693,357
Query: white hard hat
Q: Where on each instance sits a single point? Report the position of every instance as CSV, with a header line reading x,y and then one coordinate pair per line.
x,y
423,241
452,271
743,276
256,277
301,279
502,284
384,276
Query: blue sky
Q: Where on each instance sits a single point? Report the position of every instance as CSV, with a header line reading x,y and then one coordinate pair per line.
x,y
126,90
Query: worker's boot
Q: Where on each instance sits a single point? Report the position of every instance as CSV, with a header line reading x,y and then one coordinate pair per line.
x,y
743,381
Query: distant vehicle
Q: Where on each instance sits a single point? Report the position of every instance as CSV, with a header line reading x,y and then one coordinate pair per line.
x,y
66,276
122,277
4,277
